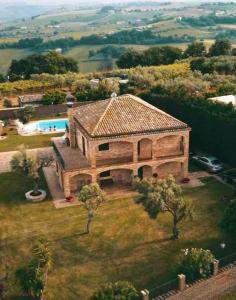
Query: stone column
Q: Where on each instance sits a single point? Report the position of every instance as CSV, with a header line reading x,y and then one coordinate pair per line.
x,y
184,168
92,155
215,267
66,184
145,295
94,177
182,282
186,143
154,145
135,151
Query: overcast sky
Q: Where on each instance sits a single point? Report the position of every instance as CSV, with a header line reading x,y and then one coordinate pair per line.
x,y
53,2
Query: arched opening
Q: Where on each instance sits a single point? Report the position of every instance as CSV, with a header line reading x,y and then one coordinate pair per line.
x,y
170,168
171,145
78,181
116,177
145,172
144,149
114,152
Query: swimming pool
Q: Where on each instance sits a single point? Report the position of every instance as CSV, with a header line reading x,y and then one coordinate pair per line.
x,y
52,125
45,126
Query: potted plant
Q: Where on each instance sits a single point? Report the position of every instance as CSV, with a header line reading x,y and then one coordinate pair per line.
x,y
30,166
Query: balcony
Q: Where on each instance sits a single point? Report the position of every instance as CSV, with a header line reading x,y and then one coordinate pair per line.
x,y
114,161
69,158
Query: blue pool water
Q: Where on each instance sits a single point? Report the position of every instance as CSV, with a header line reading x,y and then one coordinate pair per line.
x,y
54,125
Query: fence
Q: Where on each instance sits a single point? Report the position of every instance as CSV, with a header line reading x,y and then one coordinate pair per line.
x,y
164,288
179,284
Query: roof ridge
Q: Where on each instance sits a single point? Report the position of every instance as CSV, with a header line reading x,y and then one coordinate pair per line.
x,y
103,114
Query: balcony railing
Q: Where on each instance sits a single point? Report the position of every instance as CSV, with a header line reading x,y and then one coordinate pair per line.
x,y
58,155
114,160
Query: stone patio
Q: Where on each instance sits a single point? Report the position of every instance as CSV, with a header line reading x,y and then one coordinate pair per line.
x,y
57,194
195,179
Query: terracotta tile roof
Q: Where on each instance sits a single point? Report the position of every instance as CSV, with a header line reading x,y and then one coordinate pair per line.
x,y
122,115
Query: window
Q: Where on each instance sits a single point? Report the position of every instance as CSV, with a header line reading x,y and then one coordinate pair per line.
x,y
103,147
105,174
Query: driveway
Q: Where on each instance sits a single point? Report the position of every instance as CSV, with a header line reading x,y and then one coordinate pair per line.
x,y
6,157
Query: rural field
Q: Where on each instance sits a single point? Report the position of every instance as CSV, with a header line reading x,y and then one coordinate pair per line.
x,y
124,243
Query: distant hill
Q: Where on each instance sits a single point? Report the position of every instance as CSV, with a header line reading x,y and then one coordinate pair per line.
x,y
10,12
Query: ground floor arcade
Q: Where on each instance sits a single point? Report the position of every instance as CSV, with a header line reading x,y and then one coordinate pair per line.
x,y
72,181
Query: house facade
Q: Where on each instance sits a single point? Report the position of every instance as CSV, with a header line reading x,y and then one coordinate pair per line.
x,y
110,141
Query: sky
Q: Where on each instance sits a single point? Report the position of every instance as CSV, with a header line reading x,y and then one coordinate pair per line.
x,y
75,2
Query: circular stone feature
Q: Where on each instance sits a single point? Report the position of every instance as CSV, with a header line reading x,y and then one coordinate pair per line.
x,y
37,198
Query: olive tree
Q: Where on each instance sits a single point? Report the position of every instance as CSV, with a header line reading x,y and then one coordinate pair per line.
x,y
121,290
92,197
30,166
163,196
196,263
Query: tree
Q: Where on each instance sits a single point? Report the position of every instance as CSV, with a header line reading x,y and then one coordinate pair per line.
x,y
228,222
25,114
2,78
131,58
33,277
160,196
196,263
220,47
7,102
195,49
120,290
92,197
55,97
30,166
51,63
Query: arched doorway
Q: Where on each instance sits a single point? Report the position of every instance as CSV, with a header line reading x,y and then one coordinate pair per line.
x,y
170,168
78,181
145,172
171,145
122,177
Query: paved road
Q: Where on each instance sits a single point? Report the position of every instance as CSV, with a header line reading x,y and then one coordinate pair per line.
x,y
5,157
210,289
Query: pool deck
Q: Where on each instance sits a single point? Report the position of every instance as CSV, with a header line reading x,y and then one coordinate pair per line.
x,y
35,131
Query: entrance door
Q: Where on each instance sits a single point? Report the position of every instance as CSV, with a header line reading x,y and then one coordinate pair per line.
x,y
140,173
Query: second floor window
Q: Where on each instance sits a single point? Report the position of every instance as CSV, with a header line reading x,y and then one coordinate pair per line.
x,y
103,147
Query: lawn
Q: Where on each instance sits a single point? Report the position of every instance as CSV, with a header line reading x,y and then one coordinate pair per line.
x,y
124,244
14,140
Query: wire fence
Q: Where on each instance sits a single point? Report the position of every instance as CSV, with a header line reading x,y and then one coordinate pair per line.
x,y
163,289
227,260
172,285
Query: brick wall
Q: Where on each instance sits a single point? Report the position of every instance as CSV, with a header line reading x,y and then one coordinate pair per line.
x,y
145,149
168,168
116,150
168,146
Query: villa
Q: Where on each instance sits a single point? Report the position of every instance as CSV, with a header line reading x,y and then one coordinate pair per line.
x,y
110,141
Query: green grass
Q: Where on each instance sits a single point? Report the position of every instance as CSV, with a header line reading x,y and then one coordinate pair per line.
x,y
124,244
14,140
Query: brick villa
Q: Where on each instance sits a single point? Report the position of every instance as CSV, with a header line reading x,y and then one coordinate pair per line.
x,y
110,141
